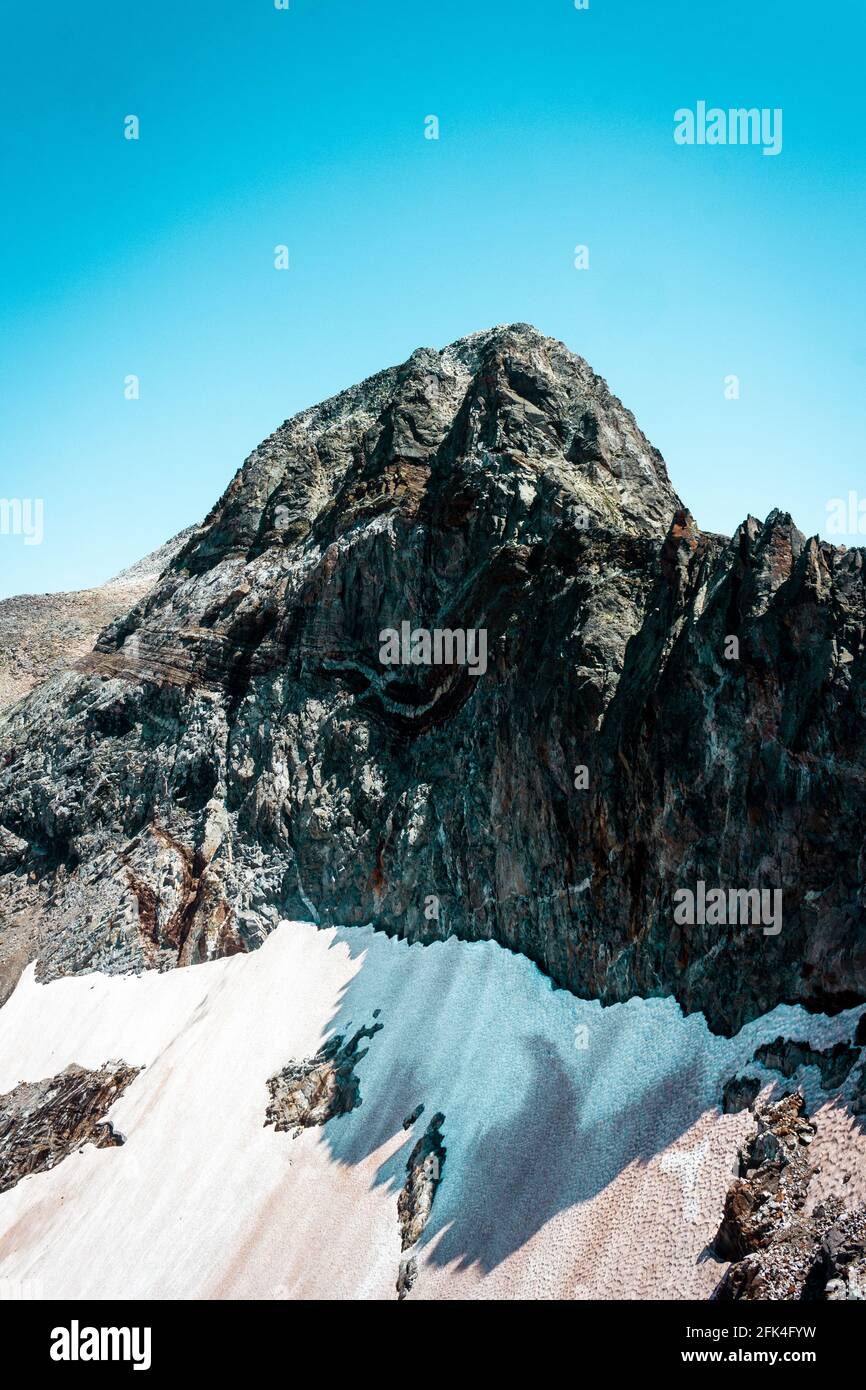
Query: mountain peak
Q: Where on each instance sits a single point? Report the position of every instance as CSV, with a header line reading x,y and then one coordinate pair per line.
x,y
496,418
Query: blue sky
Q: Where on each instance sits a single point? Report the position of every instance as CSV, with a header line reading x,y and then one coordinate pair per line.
x,y
306,127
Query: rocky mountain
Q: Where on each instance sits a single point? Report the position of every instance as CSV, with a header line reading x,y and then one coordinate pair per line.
x,y
449,662
234,751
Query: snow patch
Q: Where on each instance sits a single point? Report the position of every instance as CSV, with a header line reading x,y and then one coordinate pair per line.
x,y
583,1169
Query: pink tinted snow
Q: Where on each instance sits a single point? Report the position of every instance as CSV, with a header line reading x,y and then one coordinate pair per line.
x,y
586,1152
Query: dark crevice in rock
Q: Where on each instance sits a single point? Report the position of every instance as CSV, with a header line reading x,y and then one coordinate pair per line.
x,y
740,1093
858,1093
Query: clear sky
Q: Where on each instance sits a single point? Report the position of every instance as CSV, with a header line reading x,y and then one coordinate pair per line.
x,y
305,127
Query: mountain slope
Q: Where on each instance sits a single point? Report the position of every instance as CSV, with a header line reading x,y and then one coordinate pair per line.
x,y
584,1153
41,634
234,751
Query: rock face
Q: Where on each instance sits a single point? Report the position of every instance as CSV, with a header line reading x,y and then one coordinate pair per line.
x,y
235,751
779,1250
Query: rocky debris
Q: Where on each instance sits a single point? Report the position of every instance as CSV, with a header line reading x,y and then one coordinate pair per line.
x,y
407,1276
41,1122
241,710
819,1257
41,634
787,1056
774,1181
413,1116
319,1089
423,1176
415,1202
740,1093
842,1259
778,1249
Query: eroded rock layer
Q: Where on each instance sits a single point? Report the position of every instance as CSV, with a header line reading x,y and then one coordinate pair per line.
x,y
41,634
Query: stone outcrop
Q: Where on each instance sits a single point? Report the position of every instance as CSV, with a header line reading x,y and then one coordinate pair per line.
x,y
423,1176
42,1122
234,752
779,1249
310,1093
787,1056
424,1172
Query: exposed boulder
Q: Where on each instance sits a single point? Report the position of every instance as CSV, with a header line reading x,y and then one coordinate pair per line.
x,y
42,1122
319,1089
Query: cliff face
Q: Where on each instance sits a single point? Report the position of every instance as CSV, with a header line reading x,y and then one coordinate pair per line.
x,y
234,751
